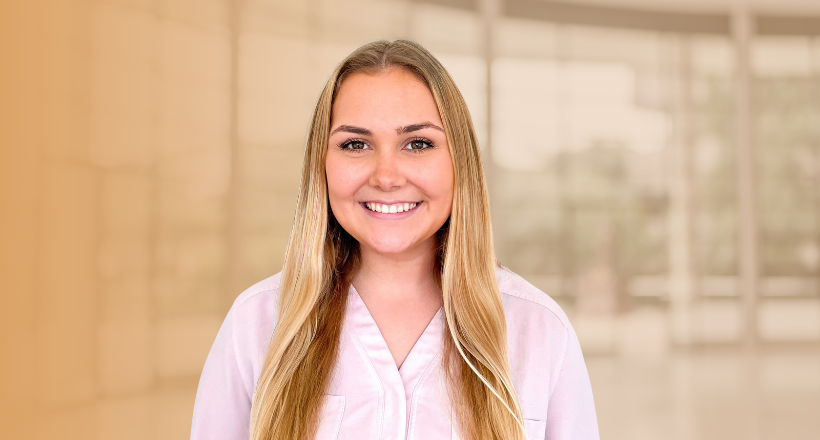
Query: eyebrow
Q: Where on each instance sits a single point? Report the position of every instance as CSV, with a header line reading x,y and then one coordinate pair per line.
x,y
417,127
400,130
352,129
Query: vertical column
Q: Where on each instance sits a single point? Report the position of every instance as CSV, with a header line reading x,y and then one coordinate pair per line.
x,y
742,32
122,145
273,108
561,53
681,267
814,54
742,29
233,235
190,219
193,163
490,10
566,205
69,183
123,128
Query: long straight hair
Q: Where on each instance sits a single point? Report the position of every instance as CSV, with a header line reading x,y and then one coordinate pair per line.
x,y
322,258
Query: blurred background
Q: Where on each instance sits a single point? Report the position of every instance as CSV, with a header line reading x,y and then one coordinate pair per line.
x,y
654,166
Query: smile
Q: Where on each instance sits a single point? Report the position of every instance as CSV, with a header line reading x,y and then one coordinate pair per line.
x,y
393,208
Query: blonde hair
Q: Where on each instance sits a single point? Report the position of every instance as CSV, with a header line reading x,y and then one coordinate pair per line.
x,y
321,259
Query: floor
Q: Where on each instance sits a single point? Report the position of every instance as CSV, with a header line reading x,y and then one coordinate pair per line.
x,y
719,393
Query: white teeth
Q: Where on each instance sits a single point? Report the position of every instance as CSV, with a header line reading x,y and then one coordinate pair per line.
x,y
390,209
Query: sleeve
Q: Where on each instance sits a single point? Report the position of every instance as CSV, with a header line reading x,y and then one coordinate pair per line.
x,y
223,403
571,410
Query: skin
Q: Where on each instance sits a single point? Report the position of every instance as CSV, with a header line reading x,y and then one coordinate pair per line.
x,y
387,145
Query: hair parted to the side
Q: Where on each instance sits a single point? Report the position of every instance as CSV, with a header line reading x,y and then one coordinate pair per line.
x,y
322,258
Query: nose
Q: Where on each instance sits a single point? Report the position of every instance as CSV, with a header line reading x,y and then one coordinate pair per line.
x,y
387,174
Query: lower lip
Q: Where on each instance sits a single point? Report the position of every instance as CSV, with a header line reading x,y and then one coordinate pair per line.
x,y
395,216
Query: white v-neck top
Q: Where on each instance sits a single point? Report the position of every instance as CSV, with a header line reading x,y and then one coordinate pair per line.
x,y
369,398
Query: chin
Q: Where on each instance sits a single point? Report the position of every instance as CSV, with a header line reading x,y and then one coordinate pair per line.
x,y
390,244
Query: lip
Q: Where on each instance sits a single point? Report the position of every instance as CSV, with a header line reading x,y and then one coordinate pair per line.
x,y
383,216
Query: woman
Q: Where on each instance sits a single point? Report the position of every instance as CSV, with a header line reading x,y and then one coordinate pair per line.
x,y
391,318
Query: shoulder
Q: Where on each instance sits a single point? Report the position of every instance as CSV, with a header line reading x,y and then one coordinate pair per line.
x,y
521,297
255,308
267,287
253,318
257,303
538,336
543,351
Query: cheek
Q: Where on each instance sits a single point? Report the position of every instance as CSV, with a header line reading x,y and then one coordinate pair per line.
x,y
337,185
343,181
436,180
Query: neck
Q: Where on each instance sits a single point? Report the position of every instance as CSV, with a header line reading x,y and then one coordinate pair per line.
x,y
408,276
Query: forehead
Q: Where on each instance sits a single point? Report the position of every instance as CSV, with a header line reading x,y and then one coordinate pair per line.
x,y
393,96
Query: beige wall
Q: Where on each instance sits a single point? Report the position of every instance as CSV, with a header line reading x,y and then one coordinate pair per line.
x,y
18,234
150,157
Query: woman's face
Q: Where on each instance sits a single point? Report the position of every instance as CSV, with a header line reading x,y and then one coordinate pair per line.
x,y
389,171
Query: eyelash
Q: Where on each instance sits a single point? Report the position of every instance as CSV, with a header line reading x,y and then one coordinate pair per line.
x,y
424,140
345,144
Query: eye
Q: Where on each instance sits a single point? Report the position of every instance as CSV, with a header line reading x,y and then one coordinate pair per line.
x,y
354,145
419,145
